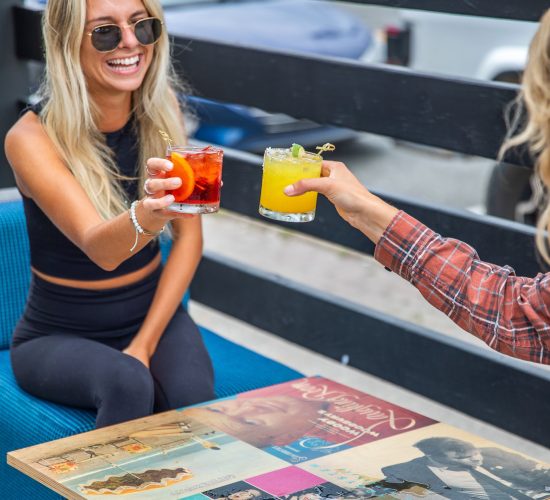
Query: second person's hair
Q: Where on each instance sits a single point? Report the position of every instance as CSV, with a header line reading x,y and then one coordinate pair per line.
x,y
534,98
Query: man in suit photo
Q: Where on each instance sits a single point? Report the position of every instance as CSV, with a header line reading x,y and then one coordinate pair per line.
x,y
456,470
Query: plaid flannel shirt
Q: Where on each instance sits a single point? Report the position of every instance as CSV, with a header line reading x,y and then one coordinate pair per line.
x,y
511,314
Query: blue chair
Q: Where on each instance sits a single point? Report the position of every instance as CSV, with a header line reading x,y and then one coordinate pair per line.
x,y
26,420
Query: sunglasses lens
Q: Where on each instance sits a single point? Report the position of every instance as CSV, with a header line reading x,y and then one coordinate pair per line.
x,y
106,38
148,30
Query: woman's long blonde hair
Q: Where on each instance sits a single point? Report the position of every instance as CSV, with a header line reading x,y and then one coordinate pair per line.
x,y
69,115
534,98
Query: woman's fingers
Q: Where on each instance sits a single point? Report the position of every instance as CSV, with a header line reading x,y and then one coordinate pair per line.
x,y
160,203
154,186
158,167
329,171
159,208
333,167
157,189
157,183
320,185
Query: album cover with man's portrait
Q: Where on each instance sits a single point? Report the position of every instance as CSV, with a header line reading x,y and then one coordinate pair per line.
x,y
307,418
438,461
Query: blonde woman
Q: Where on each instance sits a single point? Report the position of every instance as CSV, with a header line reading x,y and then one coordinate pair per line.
x,y
103,327
509,313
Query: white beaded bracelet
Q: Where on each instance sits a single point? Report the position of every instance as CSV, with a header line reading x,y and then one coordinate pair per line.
x,y
137,226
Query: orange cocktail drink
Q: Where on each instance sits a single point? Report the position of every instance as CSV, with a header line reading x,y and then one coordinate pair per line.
x,y
200,170
281,168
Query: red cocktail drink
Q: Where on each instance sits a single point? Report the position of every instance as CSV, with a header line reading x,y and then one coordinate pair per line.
x,y
200,170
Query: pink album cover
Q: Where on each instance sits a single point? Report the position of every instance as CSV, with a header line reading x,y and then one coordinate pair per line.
x,y
307,418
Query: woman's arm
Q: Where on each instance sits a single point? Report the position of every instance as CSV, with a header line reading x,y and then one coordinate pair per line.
x,y
511,314
176,277
42,176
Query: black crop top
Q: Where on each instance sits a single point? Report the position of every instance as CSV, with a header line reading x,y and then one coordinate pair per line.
x,y
54,254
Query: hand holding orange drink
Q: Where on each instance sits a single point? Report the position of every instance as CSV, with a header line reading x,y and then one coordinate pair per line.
x,y
287,166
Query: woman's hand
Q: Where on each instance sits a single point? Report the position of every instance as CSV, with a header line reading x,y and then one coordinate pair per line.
x,y
157,188
353,201
157,184
341,188
140,352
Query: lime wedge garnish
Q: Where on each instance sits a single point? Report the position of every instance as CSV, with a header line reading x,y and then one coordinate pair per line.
x,y
297,151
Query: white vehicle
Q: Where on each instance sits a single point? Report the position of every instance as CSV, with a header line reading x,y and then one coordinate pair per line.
x,y
480,48
467,46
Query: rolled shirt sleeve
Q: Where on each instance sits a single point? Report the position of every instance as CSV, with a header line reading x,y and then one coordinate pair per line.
x,y
509,313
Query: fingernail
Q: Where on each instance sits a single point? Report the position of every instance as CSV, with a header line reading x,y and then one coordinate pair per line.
x,y
170,198
169,165
175,182
289,189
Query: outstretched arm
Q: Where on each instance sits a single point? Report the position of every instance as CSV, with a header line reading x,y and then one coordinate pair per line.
x,y
43,176
511,314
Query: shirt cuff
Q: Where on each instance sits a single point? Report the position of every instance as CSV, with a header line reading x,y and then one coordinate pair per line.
x,y
402,243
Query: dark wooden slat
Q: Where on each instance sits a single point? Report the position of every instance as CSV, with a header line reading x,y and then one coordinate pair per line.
x,y
475,381
28,21
13,82
28,33
459,115
498,241
522,10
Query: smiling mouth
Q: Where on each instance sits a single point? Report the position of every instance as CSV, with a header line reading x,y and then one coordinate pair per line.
x,y
124,64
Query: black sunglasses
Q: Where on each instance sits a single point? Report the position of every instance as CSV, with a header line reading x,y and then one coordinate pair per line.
x,y
106,37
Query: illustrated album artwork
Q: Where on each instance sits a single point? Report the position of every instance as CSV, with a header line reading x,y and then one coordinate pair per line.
x,y
307,439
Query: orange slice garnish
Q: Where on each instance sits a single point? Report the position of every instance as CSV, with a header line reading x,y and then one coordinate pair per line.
x,y
183,170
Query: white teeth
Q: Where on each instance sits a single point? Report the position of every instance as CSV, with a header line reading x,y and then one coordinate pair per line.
x,y
127,61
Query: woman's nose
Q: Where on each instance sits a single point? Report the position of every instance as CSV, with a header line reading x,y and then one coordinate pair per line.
x,y
129,39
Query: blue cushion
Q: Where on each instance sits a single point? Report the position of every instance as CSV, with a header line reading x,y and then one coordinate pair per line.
x,y
26,420
14,267
238,369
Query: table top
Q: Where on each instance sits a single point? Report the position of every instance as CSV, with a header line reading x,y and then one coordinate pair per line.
x,y
307,439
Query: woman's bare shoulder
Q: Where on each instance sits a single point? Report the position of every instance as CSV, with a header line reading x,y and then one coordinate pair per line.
x,y
26,132
27,145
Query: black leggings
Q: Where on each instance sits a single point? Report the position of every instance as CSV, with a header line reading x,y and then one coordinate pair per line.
x,y
67,348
